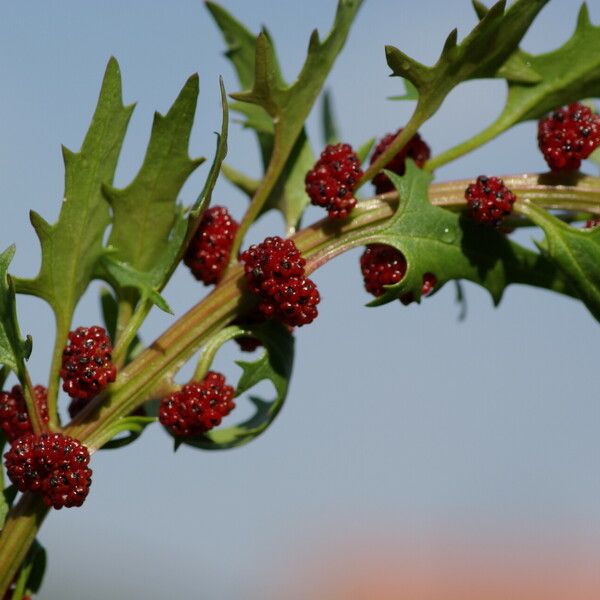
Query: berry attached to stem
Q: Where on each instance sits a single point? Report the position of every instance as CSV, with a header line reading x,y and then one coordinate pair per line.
x,y
14,419
568,136
87,363
198,406
274,271
208,252
382,265
416,149
51,464
489,200
331,182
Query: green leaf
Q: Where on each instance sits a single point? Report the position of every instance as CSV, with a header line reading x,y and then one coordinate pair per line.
x,y
72,246
412,93
331,132
122,276
145,212
282,109
275,365
110,311
575,251
365,149
7,497
243,182
569,73
186,225
480,55
133,426
13,350
241,49
434,240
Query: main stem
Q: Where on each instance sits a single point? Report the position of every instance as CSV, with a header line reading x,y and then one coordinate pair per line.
x,y
319,242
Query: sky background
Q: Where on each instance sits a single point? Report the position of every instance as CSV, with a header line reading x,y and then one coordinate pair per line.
x,y
403,425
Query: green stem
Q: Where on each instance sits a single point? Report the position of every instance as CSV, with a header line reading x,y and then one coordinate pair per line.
x,y
33,409
156,365
129,329
62,332
18,535
399,142
211,347
483,137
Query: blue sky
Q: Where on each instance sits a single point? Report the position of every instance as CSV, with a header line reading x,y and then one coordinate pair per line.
x,y
399,419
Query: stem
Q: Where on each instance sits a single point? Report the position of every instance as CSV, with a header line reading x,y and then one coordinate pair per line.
x,y
399,142
18,535
483,137
130,327
320,242
33,409
62,332
211,347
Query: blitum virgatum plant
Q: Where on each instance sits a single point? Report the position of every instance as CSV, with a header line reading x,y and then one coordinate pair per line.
x,y
419,234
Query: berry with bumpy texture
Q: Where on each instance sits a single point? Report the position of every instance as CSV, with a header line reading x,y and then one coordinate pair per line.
x,y
274,271
86,363
208,253
198,406
489,200
416,149
330,183
383,265
14,418
52,464
568,136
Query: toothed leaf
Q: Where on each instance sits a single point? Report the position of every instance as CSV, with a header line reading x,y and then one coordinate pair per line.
x,y
576,252
275,365
13,350
434,240
480,55
72,246
145,212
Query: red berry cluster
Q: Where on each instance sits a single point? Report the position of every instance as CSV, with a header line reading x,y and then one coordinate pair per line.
x,y
330,183
593,222
416,149
275,271
14,418
383,265
568,136
52,464
198,406
86,363
489,200
208,253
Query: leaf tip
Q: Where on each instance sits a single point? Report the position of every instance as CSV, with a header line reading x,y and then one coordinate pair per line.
x,y
583,18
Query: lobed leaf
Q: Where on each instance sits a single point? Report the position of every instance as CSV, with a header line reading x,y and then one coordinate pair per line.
x,y
72,246
277,111
145,212
13,350
480,55
275,365
575,252
434,240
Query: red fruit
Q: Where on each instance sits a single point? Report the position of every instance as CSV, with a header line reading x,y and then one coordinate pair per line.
x,y
208,253
593,222
568,136
416,149
86,363
489,200
197,406
275,272
383,265
52,464
14,418
330,183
